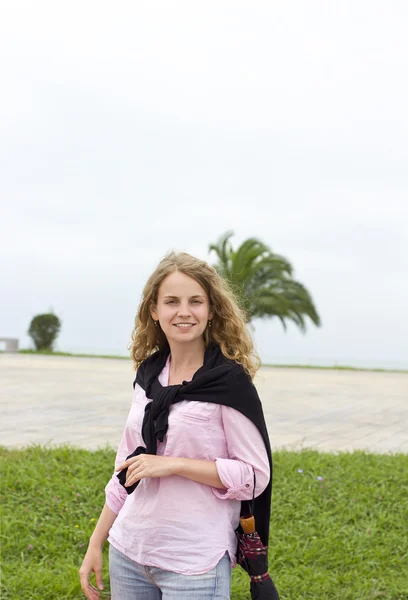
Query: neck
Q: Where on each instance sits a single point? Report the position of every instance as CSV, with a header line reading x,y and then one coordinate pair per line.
x,y
186,356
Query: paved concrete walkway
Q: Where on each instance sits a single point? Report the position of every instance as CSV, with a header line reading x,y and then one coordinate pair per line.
x,y
85,401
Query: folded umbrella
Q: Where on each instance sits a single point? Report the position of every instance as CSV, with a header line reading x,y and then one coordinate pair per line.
x,y
253,557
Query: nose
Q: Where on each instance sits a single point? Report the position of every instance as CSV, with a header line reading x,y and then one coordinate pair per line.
x,y
184,309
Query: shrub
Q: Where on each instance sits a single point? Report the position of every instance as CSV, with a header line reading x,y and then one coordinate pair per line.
x,y
44,330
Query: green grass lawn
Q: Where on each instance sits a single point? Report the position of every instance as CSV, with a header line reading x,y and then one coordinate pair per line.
x,y
341,538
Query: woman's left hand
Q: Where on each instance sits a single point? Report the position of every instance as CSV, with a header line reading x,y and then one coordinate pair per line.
x,y
148,465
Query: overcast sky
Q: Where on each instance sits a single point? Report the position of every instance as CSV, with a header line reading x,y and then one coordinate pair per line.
x,y
131,128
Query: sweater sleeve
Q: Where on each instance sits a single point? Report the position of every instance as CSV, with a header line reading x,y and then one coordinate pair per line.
x,y
131,438
246,455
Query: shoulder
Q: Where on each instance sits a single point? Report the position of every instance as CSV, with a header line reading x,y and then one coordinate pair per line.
x,y
238,374
241,389
151,367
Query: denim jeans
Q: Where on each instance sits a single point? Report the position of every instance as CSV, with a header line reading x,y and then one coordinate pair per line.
x,y
131,581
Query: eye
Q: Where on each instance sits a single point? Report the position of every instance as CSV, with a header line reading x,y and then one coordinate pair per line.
x,y
197,302
170,302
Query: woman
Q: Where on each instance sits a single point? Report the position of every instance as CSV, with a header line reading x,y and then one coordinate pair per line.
x,y
197,426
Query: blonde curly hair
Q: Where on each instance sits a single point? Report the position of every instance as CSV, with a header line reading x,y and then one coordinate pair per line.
x,y
228,328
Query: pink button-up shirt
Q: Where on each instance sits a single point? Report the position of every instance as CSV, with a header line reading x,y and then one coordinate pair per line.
x,y
175,523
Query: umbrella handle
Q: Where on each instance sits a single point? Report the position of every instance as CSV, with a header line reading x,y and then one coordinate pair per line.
x,y
247,524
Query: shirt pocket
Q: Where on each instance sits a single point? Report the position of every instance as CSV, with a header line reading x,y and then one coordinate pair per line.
x,y
193,411
190,427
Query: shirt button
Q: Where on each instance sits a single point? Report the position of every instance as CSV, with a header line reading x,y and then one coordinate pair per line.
x,y
247,485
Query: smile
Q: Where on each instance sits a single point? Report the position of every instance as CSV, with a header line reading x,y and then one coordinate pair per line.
x,y
184,325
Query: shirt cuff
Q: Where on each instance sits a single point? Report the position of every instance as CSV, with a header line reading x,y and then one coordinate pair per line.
x,y
237,477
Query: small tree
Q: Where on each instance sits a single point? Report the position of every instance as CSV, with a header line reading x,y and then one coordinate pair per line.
x,y
44,330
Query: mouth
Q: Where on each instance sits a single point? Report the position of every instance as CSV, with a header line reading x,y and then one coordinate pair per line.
x,y
184,325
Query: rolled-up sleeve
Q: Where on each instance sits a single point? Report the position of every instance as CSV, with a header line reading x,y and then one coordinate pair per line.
x,y
115,498
115,493
246,455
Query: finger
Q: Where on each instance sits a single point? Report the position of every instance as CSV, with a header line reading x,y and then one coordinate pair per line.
x,y
90,592
133,467
135,476
122,466
95,593
127,463
98,577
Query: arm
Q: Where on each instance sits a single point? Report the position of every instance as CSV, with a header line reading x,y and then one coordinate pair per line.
x,y
230,478
92,562
246,455
131,439
115,498
101,531
153,465
202,471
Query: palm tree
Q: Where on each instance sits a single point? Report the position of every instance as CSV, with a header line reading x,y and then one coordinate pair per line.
x,y
263,282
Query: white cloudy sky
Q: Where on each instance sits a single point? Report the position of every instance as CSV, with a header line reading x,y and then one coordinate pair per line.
x,y
130,128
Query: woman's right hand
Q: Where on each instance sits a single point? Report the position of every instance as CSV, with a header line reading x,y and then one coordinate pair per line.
x,y
91,563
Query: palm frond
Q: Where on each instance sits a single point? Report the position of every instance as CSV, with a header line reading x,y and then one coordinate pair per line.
x,y
223,251
263,282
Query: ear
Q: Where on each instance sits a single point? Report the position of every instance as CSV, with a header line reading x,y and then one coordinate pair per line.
x,y
153,313
210,315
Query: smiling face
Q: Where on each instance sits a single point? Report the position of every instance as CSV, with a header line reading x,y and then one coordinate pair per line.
x,y
182,308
